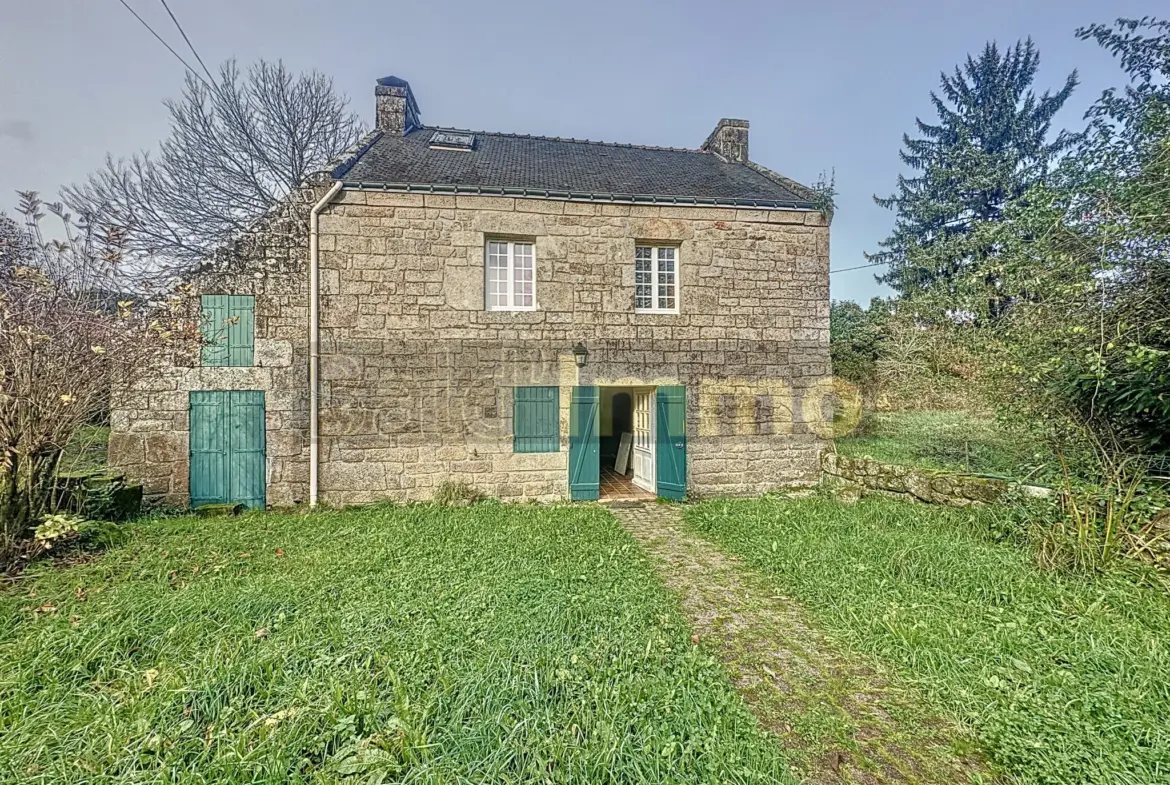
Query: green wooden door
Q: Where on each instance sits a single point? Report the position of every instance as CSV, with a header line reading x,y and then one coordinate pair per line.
x,y
228,447
671,442
208,447
584,443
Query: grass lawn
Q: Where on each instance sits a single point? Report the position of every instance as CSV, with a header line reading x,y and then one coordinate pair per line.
x,y
407,644
1063,680
956,441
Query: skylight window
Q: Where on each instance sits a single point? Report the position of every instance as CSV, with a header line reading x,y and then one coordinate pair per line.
x,y
449,140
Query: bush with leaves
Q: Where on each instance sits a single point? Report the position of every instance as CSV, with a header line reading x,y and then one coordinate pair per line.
x,y
56,529
1083,274
75,322
855,338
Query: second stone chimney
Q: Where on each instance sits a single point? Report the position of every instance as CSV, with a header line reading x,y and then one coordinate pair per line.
x,y
395,110
729,139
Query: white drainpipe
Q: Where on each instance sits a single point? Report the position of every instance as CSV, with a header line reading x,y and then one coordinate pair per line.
x,y
314,344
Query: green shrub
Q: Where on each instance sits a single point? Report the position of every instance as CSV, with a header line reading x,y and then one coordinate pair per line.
x,y
456,494
56,529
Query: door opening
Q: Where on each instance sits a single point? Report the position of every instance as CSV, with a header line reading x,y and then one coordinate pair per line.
x,y
627,443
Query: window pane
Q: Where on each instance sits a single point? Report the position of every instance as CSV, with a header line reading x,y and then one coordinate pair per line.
x,y
666,279
643,277
497,254
666,290
497,287
497,275
523,275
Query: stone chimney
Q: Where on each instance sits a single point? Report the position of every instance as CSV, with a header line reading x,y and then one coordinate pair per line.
x,y
395,111
729,139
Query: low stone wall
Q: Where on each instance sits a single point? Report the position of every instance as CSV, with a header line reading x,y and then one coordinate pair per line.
x,y
932,487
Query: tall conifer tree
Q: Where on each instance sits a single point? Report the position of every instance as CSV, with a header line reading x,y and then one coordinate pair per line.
x,y
989,145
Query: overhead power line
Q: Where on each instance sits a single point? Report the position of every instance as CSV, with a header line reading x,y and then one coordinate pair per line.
x,y
858,267
162,41
190,45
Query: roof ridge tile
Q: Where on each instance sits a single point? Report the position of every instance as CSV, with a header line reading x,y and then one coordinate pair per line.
x,y
539,137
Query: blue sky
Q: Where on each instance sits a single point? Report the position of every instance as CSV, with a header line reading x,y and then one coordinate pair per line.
x,y
827,86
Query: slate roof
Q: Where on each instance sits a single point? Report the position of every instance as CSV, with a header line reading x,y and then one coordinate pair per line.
x,y
566,168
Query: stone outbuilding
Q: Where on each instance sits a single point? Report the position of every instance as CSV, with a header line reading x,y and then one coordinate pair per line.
x,y
536,317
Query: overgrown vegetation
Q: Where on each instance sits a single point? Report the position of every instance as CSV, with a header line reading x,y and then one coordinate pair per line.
x,y
1084,283
77,322
1037,285
950,440
415,644
87,450
899,362
1061,677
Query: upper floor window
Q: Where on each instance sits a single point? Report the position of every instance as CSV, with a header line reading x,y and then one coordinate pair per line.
x,y
227,325
656,279
511,276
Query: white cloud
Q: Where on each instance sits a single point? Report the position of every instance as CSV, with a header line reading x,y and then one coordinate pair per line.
x,y
20,130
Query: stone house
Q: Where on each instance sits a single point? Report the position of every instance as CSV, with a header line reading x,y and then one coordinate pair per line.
x,y
537,317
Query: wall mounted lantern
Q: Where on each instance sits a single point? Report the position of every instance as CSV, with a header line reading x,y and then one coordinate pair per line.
x,y
580,354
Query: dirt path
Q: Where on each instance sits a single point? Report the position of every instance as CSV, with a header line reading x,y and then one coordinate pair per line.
x,y
841,721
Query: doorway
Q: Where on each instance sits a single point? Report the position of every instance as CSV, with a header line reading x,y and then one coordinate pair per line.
x,y
626,436
227,450
609,449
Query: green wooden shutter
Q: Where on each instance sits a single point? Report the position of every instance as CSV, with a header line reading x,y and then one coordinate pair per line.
x,y
208,447
671,442
584,446
241,329
536,419
213,325
228,326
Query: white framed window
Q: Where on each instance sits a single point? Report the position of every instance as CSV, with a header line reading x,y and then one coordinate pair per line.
x,y
511,276
656,279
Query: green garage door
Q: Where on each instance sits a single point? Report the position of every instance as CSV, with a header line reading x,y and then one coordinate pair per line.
x,y
227,447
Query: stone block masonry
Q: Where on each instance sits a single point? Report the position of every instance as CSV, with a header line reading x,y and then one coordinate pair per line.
x,y
922,485
417,377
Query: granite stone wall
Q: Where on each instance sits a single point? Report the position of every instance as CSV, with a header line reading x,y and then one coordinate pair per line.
x,y
914,484
416,377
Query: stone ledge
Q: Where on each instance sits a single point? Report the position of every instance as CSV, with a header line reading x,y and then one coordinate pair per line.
x,y
932,487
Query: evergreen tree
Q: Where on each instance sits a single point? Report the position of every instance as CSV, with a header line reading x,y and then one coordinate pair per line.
x,y
990,145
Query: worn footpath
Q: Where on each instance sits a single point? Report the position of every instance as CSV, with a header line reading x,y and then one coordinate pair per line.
x,y
839,718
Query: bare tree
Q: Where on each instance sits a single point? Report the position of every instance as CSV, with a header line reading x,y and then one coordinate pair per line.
x,y
235,150
68,335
